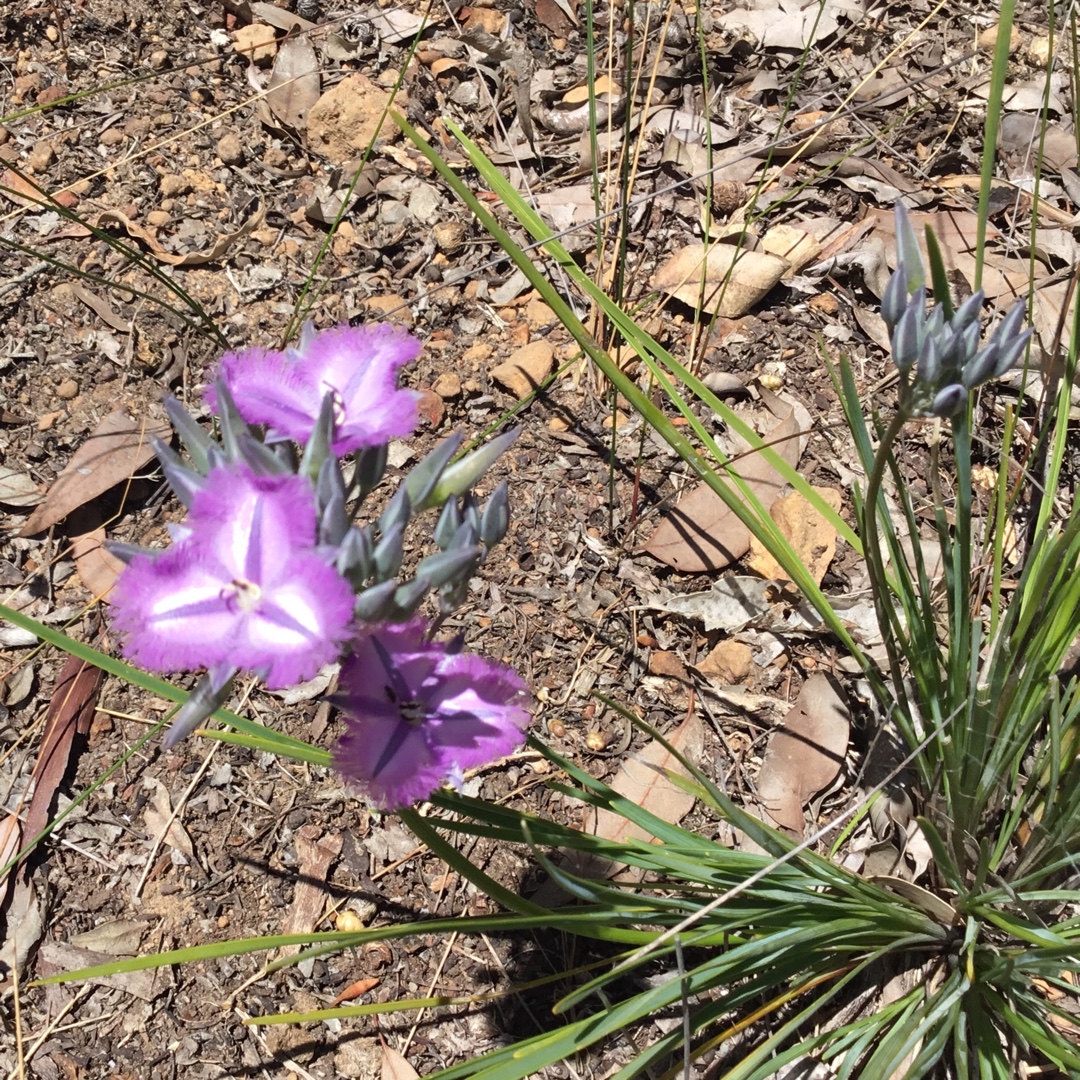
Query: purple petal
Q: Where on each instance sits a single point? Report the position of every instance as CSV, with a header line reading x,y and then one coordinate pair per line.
x,y
389,758
418,713
268,390
244,588
253,523
358,364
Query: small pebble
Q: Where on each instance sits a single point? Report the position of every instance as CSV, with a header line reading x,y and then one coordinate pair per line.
x,y
230,149
447,385
42,156
67,390
173,185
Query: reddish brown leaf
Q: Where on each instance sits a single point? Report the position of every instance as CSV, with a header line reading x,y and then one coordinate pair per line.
x,y
70,710
116,449
804,756
96,567
700,533
643,780
355,990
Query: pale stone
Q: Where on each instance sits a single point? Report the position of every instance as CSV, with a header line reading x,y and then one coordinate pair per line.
x,y
526,369
730,662
447,385
343,121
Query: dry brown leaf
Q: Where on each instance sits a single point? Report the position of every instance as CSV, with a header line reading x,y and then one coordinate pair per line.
x,y
700,533
161,824
805,754
18,488
96,567
395,1066
805,529
734,280
218,249
115,450
956,230
21,191
580,93
796,246
294,84
71,709
355,990
314,855
58,956
643,781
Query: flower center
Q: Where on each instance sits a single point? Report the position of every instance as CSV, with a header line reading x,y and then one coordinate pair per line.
x,y
241,594
337,403
412,711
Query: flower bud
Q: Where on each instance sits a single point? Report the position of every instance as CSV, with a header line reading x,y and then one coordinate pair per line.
x,y
372,604
907,337
317,447
894,299
193,435
968,312
461,476
370,468
422,478
389,552
448,566
398,511
407,599
907,247
929,365
949,400
355,561
184,482
330,503
448,524
495,519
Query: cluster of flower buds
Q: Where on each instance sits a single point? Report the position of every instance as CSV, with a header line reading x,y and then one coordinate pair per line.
x,y
941,358
272,573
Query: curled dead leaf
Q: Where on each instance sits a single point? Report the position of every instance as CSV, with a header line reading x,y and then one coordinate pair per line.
x,y
114,451
734,280
112,218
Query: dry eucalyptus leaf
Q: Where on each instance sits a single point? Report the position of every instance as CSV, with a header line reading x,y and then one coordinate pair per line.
x,y
805,754
795,246
294,82
96,567
811,535
783,24
160,822
109,218
733,603
642,779
395,1066
115,450
700,532
18,488
734,280
121,937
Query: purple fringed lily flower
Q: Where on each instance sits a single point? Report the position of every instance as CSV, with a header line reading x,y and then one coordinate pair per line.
x,y
358,365
243,588
419,713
